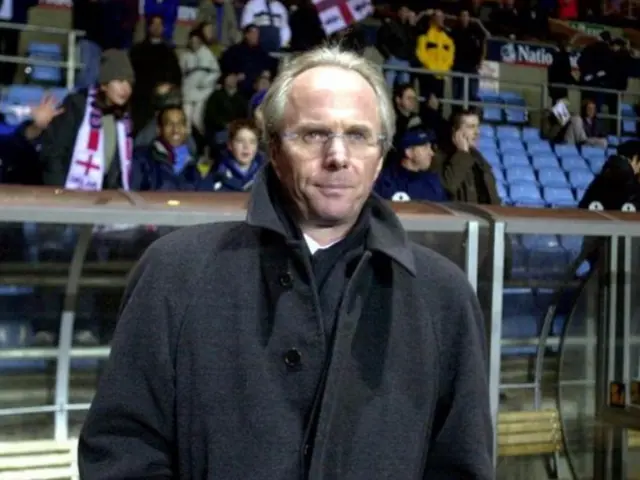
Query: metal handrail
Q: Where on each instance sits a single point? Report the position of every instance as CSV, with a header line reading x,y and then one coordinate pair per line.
x,y
70,64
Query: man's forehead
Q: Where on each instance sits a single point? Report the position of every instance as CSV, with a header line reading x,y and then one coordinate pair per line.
x,y
322,88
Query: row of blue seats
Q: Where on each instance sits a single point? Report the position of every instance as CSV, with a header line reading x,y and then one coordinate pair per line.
x,y
46,74
566,164
531,196
545,177
529,134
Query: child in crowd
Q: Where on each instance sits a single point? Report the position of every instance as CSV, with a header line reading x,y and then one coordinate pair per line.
x,y
238,164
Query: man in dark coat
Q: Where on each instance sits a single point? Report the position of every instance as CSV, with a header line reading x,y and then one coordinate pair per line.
x,y
313,340
616,187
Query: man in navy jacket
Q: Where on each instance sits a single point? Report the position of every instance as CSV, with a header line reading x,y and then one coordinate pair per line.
x,y
411,178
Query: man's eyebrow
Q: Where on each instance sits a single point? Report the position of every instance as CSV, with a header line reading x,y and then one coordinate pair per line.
x,y
320,125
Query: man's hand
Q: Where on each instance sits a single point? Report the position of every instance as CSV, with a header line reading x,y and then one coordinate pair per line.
x,y
45,112
461,141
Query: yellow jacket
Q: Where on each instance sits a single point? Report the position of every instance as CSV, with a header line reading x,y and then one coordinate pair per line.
x,y
436,50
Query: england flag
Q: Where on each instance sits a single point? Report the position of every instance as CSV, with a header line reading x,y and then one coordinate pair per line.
x,y
336,15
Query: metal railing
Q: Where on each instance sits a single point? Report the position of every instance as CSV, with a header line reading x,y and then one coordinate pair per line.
x,y
70,64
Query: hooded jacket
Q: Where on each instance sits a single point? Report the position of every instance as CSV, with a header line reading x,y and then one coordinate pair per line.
x,y
615,186
228,363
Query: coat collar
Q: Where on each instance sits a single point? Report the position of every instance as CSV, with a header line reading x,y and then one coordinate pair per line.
x,y
386,234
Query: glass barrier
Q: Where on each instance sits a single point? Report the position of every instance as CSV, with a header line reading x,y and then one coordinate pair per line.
x,y
61,275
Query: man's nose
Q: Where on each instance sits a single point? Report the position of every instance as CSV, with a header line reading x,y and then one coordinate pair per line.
x,y
336,152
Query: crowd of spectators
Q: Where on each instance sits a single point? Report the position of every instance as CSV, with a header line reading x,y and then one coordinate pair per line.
x,y
150,116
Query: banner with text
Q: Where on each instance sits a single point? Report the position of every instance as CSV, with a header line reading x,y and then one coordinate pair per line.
x,y
532,54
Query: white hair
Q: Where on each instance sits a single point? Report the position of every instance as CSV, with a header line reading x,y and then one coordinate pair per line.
x,y
274,104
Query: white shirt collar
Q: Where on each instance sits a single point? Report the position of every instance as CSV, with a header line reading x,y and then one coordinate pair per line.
x,y
315,246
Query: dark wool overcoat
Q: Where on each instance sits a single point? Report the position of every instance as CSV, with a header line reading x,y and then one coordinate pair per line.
x,y
229,361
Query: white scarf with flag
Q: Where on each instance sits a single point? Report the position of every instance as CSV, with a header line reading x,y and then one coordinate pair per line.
x,y
336,15
87,169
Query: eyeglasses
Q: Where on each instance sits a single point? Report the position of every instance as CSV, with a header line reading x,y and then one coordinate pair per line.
x,y
316,140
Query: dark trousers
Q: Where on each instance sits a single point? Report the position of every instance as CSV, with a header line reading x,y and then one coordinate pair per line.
x,y
8,46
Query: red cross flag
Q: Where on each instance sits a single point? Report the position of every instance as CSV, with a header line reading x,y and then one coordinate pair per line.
x,y
336,15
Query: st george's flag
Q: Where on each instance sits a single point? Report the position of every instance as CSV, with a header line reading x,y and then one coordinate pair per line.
x,y
336,15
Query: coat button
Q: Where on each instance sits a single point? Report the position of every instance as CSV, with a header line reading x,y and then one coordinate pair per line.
x,y
292,358
285,280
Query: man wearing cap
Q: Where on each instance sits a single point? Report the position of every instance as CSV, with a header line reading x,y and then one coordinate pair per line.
x,y
89,147
411,178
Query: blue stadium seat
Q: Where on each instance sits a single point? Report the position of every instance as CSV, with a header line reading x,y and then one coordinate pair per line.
x,y
520,315
573,163
498,174
627,110
491,156
596,164
572,244
7,130
613,140
507,143
512,98
516,116
492,114
592,152
580,179
507,131
487,131
546,256
503,193
544,160
47,49
559,197
525,194
24,94
520,174
530,134
629,126
515,160
552,177
580,193
488,97
519,258
566,150
539,146
486,142
18,101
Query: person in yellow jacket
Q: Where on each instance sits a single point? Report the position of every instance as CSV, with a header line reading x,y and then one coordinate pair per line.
x,y
435,50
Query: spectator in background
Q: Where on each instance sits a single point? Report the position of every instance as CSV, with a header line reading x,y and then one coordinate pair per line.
x,y
222,15
272,19
167,10
620,65
432,120
19,162
168,164
306,28
506,20
154,61
465,174
222,107
436,52
165,96
590,63
617,183
470,46
248,59
585,128
88,16
239,163
396,42
405,102
261,86
411,179
201,73
88,146
560,72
